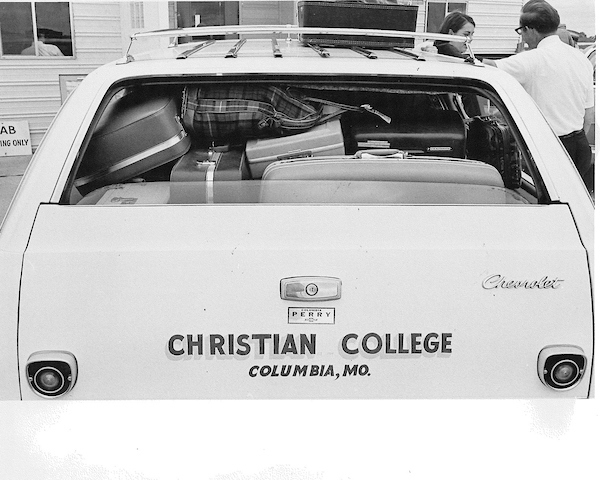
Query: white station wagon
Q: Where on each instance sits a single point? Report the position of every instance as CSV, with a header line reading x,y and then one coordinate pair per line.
x,y
278,215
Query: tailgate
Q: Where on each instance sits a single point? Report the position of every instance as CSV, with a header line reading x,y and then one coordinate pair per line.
x,y
186,301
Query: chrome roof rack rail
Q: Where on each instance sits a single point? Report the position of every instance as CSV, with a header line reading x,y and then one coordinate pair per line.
x,y
275,46
471,58
364,52
271,30
191,51
292,29
232,53
406,53
319,49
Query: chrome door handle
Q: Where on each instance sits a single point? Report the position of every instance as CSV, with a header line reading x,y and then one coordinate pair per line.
x,y
310,289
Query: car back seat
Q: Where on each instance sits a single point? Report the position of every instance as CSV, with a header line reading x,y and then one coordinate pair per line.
x,y
379,179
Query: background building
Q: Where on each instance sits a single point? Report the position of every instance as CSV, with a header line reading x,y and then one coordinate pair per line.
x,y
46,48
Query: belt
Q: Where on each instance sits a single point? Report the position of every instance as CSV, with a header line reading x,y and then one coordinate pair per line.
x,y
572,134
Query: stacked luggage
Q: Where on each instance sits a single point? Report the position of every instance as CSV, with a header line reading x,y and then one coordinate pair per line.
x,y
233,132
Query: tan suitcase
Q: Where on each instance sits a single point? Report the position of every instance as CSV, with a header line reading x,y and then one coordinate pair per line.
x,y
323,140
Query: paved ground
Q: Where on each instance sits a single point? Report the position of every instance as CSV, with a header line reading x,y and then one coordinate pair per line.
x,y
11,172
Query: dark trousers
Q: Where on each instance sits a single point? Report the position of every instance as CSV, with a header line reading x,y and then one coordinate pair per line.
x,y
579,149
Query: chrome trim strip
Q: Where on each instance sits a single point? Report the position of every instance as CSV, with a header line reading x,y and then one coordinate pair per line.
x,y
210,178
294,29
133,159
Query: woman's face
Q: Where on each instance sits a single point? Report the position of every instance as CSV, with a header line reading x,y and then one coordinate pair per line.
x,y
466,30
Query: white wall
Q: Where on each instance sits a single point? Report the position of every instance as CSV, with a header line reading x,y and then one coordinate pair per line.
x,y
495,23
30,86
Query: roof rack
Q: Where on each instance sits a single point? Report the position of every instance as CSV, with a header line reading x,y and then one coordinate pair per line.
x,y
269,31
293,29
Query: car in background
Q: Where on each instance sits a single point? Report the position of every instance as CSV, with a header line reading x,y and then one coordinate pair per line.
x,y
590,53
278,217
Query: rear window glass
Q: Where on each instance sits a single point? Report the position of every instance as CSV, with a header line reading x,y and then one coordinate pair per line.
x,y
282,142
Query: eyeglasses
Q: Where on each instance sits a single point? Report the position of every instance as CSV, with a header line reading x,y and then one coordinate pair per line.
x,y
519,30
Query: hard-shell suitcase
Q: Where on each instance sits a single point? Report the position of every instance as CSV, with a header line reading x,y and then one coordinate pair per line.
x,y
135,134
357,15
440,134
381,177
194,176
492,142
322,140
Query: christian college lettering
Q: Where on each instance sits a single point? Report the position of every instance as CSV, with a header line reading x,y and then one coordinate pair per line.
x,y
388,344
274,344
258,343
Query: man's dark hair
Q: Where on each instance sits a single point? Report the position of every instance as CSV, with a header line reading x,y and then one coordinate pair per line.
x,y
540,15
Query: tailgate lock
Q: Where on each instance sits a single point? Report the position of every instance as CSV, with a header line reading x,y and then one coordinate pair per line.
x,y
310,289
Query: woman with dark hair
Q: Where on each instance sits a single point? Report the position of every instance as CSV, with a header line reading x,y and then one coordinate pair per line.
x,y
455,23
458,23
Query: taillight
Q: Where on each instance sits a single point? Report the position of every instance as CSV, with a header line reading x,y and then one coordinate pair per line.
x,y
51,374
561,367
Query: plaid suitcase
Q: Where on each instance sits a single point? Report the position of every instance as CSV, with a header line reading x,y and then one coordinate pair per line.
x,y
237,112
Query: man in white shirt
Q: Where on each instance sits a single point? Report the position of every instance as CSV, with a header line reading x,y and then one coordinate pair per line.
x,y
44,49
560,80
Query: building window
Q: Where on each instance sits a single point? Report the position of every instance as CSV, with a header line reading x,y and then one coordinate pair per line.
x,y
436,11
137,14
40,29
172,14
207,13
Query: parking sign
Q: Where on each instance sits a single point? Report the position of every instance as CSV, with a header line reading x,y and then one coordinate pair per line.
x,y
14,138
